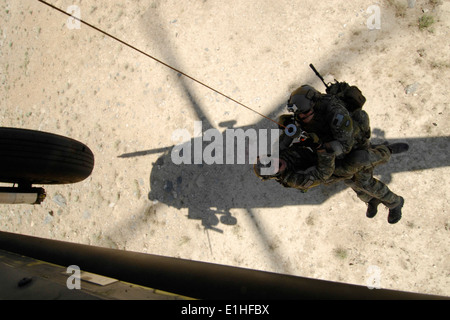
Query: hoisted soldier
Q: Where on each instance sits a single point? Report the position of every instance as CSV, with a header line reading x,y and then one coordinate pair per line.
x,y
341,143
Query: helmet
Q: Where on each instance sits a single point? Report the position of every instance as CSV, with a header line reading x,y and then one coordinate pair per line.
x,y
302,99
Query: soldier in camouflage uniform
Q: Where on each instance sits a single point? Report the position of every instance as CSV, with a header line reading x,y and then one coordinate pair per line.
x,y
342,151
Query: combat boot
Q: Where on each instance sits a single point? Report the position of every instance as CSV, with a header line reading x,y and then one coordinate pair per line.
x,y
395,214
398,147
372,208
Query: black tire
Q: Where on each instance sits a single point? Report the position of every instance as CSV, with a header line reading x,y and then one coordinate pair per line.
x,y
36,157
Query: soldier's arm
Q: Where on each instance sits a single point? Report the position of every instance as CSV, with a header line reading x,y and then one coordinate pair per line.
x,y
312,176
324,168
342,129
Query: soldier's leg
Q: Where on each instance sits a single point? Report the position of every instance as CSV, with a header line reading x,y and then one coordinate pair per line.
x,y
358,160
365,181
362,159
360,193
373,192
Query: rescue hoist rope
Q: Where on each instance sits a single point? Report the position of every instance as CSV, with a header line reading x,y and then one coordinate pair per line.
x,y
158,60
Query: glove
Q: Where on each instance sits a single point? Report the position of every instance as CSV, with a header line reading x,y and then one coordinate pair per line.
x,y
313,141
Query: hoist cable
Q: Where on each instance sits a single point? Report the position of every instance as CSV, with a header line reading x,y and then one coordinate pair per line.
x,y
157,60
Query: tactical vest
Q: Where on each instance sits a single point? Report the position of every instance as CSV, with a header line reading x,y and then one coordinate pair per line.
x,y
353,100
321,120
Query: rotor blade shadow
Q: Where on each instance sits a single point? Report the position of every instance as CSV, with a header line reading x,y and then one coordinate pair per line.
x,y
276,259
153,27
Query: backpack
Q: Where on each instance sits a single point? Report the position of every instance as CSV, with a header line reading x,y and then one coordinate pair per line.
x,y
350,95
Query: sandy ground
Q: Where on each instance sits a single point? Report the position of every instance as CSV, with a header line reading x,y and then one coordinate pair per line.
x,y
125,107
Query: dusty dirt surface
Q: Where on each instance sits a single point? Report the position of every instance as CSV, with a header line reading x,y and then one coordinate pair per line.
x,y
78,83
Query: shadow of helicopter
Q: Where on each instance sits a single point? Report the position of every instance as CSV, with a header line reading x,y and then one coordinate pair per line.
x,y
210,191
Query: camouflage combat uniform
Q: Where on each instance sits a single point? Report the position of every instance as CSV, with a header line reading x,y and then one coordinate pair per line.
x,y
351,157
333,124
306,169
367,187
